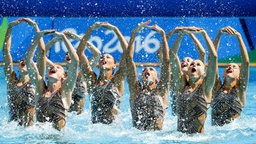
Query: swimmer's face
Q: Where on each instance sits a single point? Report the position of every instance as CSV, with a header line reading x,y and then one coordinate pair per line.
x,y
67,58
22,67
149,74
56,72
232,71
107,62
196,69
185,63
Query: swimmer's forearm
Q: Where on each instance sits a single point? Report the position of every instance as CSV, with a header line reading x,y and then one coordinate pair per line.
x,y
95,54
51,43
83,41
244,74
8,64
212,66
82,44
216,41
200,48
121,38
177,42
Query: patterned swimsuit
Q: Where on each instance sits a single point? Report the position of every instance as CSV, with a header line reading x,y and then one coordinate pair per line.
x,y
190,106
51,109
104,99
20,99
78,95
224,106
147,109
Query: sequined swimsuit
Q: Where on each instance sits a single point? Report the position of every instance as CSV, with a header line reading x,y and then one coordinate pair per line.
x,y
147,109
224,106
51,109
78,94
20,99
104,99
190,106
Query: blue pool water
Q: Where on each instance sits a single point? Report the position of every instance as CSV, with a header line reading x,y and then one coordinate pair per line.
x,y
80,130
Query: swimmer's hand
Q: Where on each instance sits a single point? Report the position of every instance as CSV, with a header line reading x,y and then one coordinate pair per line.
x,y
97,25
107,25
59,34
156,28
176,30
47,32
16,22
29,21
72,35
141,26
230,31
189,29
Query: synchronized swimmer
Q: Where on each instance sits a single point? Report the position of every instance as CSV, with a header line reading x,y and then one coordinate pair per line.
x,y
191,86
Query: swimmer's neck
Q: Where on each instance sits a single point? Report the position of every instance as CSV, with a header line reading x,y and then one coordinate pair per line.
x,y
195,82
150,86
105,75
24,79
229,83
53,86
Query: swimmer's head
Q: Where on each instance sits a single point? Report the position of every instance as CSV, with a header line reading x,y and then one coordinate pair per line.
x,y
232,71
185,63
67,58
107,62
196,69
149,75
56,72
22,67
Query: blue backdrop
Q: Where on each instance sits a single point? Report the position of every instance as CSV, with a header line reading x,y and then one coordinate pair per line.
x,y
146,44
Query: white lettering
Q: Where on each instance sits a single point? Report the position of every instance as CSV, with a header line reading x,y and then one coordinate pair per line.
x,y
150,44
97,40
149,40
107,47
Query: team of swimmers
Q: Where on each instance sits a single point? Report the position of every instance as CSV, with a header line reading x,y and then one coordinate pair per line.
x,y
192,87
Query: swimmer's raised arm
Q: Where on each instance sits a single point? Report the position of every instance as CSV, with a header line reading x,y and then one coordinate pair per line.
x,y
86,36
40,60
52,42
36,79
168,36
178,77
7,58
200,48
162,86
84,62
165,65
8,67
133,82
120,75
95,54
69,83
68,34
244,74
32,68
216,44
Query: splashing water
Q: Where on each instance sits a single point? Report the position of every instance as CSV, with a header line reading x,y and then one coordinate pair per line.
x,y
79,128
